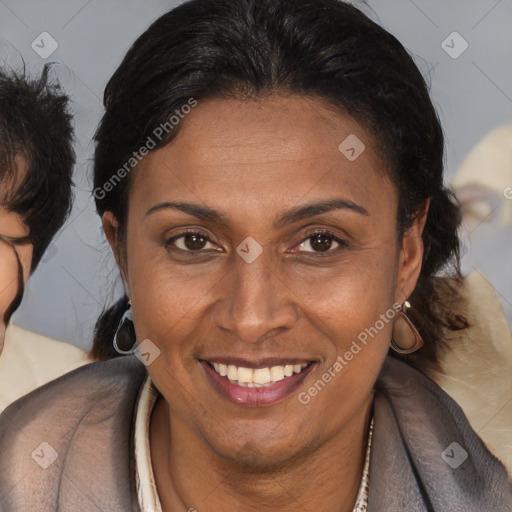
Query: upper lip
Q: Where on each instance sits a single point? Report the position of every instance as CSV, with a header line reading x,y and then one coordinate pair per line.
x,y
263,362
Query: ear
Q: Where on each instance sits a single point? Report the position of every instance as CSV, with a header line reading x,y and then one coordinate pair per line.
x,y
411,257
111,229
110,226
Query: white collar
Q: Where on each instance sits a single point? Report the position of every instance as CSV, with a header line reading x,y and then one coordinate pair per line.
x,y
145,479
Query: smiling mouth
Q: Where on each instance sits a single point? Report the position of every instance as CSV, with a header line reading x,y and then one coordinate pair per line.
x,y
257,377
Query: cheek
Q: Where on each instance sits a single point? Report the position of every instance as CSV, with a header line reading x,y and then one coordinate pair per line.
x,y
8,278
352,306
352,295
9,281
161,293
167,302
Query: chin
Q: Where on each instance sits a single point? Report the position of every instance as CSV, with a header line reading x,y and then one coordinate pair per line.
x,y
262,454
255,458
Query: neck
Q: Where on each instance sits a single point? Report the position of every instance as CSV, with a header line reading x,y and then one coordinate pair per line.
x,y
191,476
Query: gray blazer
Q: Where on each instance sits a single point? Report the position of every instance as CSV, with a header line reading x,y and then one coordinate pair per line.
x,y
85,419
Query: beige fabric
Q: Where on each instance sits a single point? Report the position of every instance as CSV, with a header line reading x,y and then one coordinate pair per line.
x,y
145,479
29,360
477,369
364,488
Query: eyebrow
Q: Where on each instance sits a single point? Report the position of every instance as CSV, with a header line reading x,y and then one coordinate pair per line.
x,y
296,214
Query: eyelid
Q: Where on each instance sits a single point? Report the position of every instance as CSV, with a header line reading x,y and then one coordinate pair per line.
x,y
314,231
308,234
22,240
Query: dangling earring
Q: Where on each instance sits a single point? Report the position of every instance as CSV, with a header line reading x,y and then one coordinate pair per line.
x,y
125,333
405,334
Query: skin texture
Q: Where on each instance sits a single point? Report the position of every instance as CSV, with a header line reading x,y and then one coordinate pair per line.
x,y
12,229
253,161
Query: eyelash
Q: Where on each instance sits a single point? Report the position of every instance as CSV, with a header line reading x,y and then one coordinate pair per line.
x,y
342,243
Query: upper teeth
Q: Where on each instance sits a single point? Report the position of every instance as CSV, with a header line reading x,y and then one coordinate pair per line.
x,y
257,377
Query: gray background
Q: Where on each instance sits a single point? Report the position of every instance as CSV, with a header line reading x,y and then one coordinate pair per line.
x,y
77,277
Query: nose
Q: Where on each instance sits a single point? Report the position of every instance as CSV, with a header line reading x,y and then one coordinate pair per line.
x,y
255,303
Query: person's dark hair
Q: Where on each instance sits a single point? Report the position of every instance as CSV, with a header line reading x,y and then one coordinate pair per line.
x,y
35,124
319,48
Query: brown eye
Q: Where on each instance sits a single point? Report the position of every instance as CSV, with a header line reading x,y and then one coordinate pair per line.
x,y
189,241
194,242
321,242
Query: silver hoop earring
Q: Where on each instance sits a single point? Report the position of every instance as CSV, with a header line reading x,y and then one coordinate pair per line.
x,y
125,334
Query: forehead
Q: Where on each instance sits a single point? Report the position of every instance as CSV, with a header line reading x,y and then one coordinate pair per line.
x,y
266,152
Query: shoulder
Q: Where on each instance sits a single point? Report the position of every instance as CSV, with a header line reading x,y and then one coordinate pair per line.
x,y
69,441
30,341
432,455
30,360
76,394
35,350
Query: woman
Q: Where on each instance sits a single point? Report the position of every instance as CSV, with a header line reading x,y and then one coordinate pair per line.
x,y
269,176
35,199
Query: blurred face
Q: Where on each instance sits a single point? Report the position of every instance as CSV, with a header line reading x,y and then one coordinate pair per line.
x,y
259,250
12,242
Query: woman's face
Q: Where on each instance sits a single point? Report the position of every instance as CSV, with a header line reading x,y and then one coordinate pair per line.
x,y
295,255
12,230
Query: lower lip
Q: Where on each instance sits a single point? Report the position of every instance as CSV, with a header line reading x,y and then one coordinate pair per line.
x,y
256,397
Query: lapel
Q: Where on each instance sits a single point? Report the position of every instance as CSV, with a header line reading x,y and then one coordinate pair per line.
x,y
415,464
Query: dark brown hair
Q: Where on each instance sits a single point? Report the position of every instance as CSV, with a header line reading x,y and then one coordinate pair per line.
x,y
35,124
